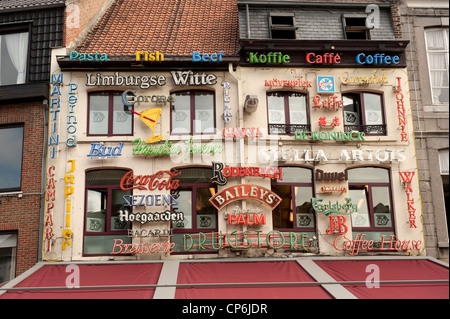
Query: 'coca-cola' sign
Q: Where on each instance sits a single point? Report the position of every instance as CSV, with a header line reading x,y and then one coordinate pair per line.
x,y
158,181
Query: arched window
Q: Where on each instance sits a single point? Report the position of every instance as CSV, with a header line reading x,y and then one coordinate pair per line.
x,y
200,216
104,199
370,190
287,112
364,112
107,115
193,112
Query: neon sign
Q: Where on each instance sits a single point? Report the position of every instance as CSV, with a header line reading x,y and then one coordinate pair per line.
x,y
215,57
100,57
331,103
146,248
271,57
288,83
152,56
220,172
321,176
327,136
239,192
401,110
241,132
125,215
129,97
71,128
377,58
98,151
407,179
150,182
68,192
327,58
55,104
48,218
334,208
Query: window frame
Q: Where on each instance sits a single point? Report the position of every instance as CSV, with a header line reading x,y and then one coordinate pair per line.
x,y
369,201
282,27
445,52
287,124
194,230
20,28
110,114
108,213
355,29
192,109
292,185
361,111
16,125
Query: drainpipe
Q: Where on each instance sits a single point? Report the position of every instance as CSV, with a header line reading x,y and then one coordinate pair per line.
x,y
248,20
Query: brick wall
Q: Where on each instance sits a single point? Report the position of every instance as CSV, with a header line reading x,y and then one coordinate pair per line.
x,y
22,214
312,23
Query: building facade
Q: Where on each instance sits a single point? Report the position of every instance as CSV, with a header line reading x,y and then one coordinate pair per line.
x,y
291,145
426,25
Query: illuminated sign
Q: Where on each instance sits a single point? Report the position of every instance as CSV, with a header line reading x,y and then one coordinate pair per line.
x,y
308,155
334,208
139,233
321,176
407,179
68,192
152,56
129,97
328,189
334,122
167,216
116,79
150,182
215,57
167,148
55,105
191,78
149,200
98,151
377,58
220,172
71,128
245,240
100,57
327,58
288,83
150,118
146,248
401,110
325,84
363,80
226,103
241,132
271,57
330,103
328,136
239,192
246,219
48,217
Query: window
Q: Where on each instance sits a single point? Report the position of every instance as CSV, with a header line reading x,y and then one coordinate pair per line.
x,y
364,112
8,254
444,164
370,190
13,58
193,112
107,115
11,148
104,200
295,212
437,52
287,112
193,195
355,27
282,26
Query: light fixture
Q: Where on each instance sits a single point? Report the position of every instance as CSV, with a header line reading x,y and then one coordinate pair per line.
x,y
251,103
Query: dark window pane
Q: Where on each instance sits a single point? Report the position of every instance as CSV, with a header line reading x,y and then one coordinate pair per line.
x,y
104,177
11,145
